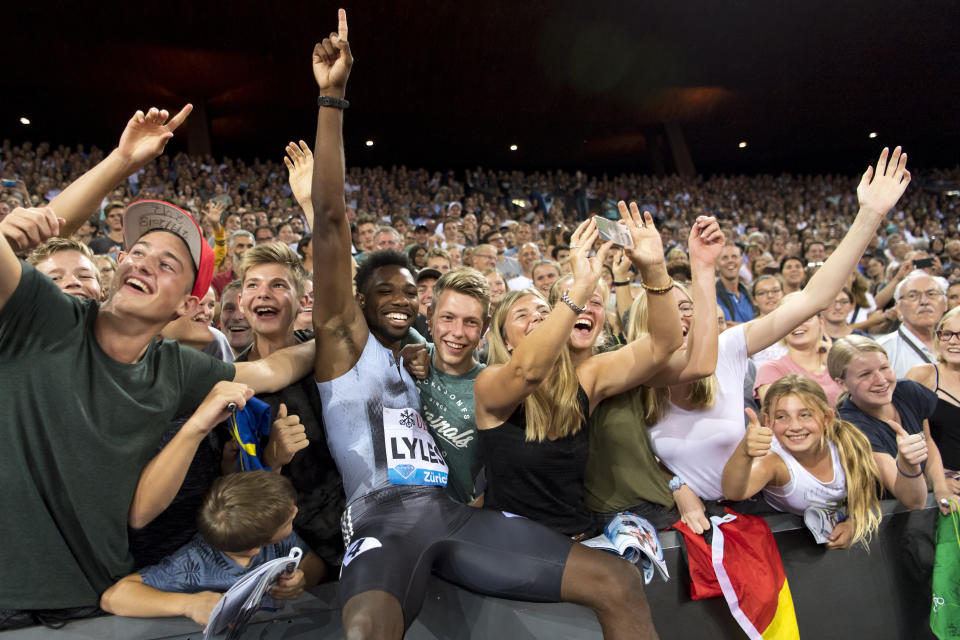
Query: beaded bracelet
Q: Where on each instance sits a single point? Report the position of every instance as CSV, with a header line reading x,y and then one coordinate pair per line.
x,y
657,290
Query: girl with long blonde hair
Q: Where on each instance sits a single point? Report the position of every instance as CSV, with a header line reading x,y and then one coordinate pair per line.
x,y
804,458
532,400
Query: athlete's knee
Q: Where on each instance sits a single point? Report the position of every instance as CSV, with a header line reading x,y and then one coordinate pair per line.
x,y
364,626
619,585
372,616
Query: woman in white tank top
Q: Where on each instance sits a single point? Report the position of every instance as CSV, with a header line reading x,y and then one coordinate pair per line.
x,y
803,458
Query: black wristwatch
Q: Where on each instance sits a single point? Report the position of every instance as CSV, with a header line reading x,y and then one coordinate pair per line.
x,y
336,103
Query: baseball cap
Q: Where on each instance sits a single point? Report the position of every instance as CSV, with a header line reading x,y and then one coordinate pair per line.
x,y
429,272
144,216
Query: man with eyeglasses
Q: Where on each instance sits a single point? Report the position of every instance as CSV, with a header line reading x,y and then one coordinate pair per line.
x,y
509,267
921,301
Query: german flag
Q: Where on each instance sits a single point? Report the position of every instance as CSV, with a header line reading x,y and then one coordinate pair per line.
x,y
746,568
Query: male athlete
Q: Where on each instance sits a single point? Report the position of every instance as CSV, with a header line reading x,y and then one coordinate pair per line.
x,y
399,524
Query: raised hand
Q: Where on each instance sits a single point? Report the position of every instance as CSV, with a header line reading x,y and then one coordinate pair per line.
x,y
26,229
621,267
148,133
214,210
332,60
287,437
647,246
299,162
912,448
757,442
705,241
880,188
587,270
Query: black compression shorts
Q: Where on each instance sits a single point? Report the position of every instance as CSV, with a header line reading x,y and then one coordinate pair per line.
x,y
396,536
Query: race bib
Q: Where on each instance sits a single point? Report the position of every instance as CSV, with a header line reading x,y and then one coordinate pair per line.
x,y
412,456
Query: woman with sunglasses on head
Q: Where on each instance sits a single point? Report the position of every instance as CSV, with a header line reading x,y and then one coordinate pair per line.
x,y
542,382
943,378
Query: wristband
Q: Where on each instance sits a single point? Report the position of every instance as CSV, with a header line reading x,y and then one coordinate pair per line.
x,y
570,303
675,483
657,290
336,103
907,475
625,283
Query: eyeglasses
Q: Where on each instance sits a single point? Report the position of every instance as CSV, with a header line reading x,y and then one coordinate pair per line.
x,y
947,336
915,296
686,309
840,302
767,292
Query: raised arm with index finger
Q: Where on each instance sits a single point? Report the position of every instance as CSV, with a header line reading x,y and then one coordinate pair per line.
x,y
339,325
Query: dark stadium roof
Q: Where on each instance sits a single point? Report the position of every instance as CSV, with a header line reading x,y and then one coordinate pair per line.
x,y
440,83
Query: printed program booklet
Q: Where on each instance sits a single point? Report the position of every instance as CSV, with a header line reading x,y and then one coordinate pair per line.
x,y
635,539
247,596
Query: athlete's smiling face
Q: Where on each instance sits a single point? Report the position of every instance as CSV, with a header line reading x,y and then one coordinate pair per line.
x,y
390,303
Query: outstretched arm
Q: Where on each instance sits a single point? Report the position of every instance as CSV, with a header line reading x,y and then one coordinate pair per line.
x,y
699,359
878,192
132,598
611,373
143,139
338,324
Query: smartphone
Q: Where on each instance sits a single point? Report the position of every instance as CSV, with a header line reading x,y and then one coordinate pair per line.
x,y
923,263
611,230
9,184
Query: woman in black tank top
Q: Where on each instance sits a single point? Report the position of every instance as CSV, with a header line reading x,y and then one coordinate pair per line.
x,y
532,402
943,378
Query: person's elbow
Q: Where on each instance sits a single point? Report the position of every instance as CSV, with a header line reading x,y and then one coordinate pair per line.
x,y
112,599
698,369
914,502
139,516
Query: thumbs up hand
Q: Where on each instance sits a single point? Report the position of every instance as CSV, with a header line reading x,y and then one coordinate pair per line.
x,y
287,437
757,442
912,448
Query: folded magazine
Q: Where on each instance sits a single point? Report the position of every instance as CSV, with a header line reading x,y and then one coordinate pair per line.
x,y
635,539
247,596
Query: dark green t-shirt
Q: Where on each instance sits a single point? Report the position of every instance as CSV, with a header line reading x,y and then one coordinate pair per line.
x,y
447,402
622,469
77,428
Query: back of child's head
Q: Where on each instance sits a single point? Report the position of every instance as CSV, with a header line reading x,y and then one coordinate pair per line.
x,y
856,454
242,511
